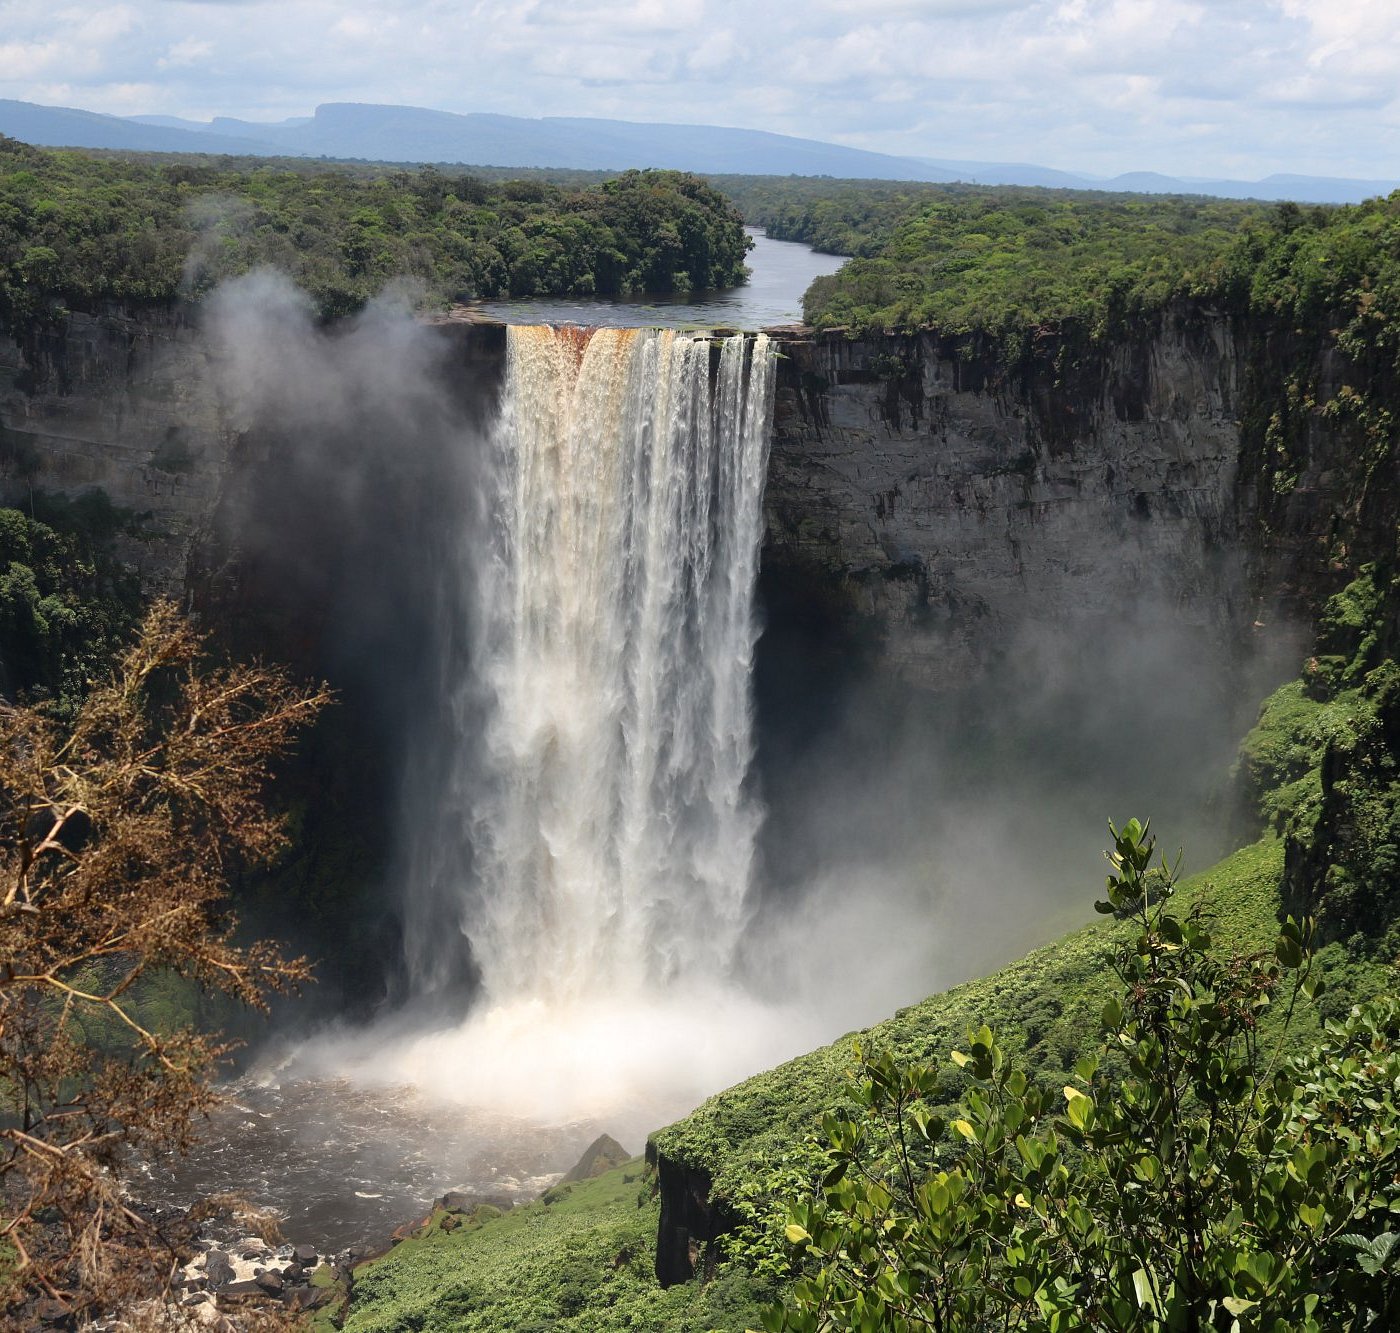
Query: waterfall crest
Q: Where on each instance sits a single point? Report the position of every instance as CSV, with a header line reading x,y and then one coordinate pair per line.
x,y
613,834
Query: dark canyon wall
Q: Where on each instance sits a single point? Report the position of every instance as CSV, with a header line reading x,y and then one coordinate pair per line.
x,y
947,502
123,400
913,485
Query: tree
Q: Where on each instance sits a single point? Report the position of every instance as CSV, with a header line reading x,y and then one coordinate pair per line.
x,y
1190,1177
118,832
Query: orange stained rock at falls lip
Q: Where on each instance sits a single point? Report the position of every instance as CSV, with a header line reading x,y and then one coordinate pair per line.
x,y
575,338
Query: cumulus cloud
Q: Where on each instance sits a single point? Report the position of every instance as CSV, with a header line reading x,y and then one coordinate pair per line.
x,y
1216,87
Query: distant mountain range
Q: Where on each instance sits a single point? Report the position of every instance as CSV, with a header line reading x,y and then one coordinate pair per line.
x,y
416,134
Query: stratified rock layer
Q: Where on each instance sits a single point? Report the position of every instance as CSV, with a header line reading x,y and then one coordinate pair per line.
x,y
953,504
123,401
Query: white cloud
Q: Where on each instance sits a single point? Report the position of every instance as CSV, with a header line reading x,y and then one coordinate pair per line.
x,y
1193,86
189,52
21,61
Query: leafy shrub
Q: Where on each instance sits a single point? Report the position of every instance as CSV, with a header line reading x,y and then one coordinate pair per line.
x,y
1189,1177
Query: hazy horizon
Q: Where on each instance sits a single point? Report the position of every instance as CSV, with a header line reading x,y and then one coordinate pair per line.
x,y
1099,87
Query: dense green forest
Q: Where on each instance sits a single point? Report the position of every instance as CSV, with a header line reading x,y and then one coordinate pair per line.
x,y
1005,266
76,228
849,217
68,603
1012,263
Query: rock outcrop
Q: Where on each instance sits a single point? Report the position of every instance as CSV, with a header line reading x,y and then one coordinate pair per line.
x,y
603,1154
122,400
691,1218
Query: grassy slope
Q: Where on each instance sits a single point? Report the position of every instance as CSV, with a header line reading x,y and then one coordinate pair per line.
x,y
1045,1006
579,1259
584,1261
582,1258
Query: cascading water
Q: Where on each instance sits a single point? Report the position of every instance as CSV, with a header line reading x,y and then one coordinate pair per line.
x,y
614,836
600,743
585,831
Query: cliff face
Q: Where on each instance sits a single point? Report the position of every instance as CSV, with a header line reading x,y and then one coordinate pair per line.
x,y
952,505
122,400
934,500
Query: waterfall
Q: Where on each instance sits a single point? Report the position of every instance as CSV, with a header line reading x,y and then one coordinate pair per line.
x,y
612,832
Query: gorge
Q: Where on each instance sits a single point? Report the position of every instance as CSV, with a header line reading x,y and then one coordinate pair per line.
x,y
926,512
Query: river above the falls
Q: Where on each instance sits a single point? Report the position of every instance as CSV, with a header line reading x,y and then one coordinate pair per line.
x,y
780,272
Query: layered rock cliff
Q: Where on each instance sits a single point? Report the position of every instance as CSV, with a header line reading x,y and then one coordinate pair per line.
x,y
122,400
941,499
952,502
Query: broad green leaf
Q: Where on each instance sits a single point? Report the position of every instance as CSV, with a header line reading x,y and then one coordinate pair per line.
x,y
1238,1305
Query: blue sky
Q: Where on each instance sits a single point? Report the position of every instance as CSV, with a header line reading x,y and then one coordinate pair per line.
x,y
1219,88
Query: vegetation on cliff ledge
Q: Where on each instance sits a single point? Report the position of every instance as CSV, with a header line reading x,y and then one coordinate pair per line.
x,y
68,604
77,229
1013,263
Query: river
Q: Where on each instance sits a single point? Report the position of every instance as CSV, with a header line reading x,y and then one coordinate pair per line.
x,y
780,271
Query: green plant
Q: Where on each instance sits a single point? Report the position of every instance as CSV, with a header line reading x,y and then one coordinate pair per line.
x,y
78,229
1189,1177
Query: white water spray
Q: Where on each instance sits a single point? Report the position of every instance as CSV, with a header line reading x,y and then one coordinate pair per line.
x,y
614,836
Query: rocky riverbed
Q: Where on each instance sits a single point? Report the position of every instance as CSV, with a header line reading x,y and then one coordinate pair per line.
x,y
340,1166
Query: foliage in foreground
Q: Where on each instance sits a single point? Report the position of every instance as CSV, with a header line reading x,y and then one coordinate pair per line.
x,y
75,229
118,831
1189,1177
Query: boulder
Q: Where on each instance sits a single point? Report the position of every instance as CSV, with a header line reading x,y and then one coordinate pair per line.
x,y
301,1299
53,1312
218,1268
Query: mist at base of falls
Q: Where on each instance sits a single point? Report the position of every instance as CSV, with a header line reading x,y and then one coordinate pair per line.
x,y
625,1064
